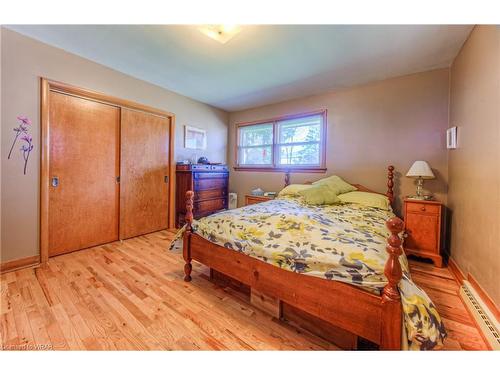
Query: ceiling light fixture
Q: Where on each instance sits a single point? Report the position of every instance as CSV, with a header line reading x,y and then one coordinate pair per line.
x,y
220,33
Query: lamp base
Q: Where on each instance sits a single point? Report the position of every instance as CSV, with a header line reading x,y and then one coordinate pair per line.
x,y
420,192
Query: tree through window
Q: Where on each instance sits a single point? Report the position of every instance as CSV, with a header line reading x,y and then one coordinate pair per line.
x,y
292,142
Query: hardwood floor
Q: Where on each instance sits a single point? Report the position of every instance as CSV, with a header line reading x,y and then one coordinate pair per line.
x,y
130,296
443,290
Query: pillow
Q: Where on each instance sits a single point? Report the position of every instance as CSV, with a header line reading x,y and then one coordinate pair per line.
x,y
293,189
319,194
366,199
338,185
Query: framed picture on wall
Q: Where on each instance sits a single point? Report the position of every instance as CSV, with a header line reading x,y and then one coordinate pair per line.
x,y
195,138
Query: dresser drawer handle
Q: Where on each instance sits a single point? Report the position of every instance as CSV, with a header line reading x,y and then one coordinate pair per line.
x,y
422,208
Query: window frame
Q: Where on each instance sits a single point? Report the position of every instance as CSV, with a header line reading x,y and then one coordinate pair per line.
x,y
275,166
238,137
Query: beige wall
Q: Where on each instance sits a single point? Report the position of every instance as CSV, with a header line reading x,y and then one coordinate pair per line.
x,y
396,121
23,61
474,168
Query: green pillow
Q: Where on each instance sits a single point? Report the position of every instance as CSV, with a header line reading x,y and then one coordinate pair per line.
x,y
293,189
319,194
338,185
366,199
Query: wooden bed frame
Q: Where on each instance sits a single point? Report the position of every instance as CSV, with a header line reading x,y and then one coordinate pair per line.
x,y
373,317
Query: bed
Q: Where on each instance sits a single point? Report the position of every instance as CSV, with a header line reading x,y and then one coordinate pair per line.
x,y
341,263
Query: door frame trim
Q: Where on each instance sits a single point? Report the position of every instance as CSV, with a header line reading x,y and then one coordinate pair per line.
x,y
47,85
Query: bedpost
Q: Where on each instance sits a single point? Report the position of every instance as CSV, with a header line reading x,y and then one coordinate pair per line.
x,y
189,210
391,299
390,183
187,236
287,178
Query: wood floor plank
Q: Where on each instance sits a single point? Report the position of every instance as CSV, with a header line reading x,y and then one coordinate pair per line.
x,y
102,328
20,306
426,281
450,306
127,319
467,336
130,295
8,329
429,269
68,300
68,329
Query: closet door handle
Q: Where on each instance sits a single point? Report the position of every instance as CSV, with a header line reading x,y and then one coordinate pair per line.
x,y
55,181
165,179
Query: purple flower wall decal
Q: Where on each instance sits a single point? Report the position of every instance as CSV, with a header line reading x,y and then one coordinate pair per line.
x,y
26,149
24,120
22,128
22,131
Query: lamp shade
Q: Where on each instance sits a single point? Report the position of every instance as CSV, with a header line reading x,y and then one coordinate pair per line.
x,y
421,169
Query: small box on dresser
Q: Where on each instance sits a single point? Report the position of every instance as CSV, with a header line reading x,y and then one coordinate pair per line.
x,y
209,184
423,229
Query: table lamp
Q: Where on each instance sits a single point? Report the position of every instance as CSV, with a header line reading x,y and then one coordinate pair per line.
x,y
421,171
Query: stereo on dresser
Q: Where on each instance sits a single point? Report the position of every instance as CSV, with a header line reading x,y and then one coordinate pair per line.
x,y
210,186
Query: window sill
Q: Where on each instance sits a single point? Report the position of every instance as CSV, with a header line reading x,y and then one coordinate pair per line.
x,y
280,169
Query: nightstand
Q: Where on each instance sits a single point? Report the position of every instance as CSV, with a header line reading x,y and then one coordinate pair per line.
x,y
253,199
423,229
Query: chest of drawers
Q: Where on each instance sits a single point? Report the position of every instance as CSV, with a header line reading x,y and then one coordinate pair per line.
x,y
210,186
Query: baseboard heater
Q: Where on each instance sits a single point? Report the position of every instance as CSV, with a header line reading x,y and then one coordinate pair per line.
x,y
488,328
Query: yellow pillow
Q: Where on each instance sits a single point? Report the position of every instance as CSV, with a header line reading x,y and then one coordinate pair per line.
x,y
319,194
293,189
366,199
338,185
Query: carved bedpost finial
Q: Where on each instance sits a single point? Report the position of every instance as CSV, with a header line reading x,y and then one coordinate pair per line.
x,y
392,269
189,209
390,183
287,178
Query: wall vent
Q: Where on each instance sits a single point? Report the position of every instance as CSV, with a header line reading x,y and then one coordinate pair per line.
x,y
489,329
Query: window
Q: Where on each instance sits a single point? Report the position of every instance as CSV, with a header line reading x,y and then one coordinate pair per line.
x,y
256,145
287,143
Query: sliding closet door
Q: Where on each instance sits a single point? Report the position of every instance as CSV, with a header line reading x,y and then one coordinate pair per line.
x,y
84,164
144,173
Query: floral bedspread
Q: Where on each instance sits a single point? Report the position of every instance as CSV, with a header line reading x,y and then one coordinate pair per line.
x,y
343,242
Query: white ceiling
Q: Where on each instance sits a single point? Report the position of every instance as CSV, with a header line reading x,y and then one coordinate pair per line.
x,y
262,64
